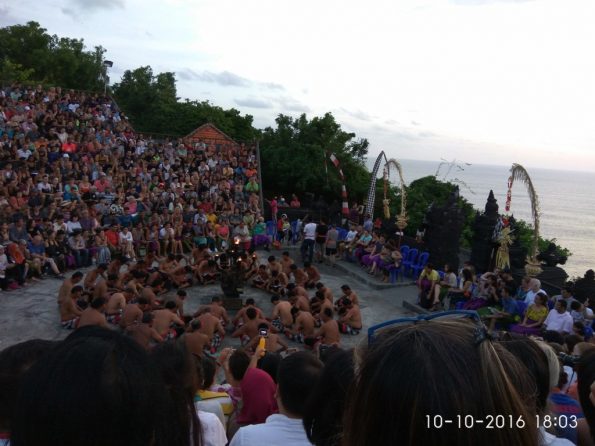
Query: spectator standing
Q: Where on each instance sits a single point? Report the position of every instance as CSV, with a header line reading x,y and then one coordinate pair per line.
x,y
307,248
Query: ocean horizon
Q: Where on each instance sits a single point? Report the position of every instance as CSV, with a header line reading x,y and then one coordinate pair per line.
x,y
566,200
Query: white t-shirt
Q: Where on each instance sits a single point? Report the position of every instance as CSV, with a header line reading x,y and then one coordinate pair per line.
x,y
126,237
278,430
213,433
310,231
547,439
559,322
351,235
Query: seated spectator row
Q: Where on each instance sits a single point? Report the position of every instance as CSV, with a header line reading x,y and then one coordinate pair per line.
x,y
77,184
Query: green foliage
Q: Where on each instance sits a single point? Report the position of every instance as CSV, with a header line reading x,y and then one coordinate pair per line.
x,y
295,159
28,52
153,107
14,71
525,233
422,192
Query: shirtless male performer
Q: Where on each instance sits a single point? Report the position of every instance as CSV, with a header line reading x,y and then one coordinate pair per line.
x,y
69,311
194,340
143,332
327,335
211,326
94,314
133,312
281,316
350,321
93,275
349,294
313,275
165,318
286,262
303,327
273,343
249,330
116,304
326,291
240,318
299,275
64,292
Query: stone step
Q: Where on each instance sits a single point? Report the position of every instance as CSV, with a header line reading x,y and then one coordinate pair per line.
x,y
373,282
415,308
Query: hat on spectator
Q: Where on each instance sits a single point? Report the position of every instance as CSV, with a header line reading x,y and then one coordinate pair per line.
x,y
65,155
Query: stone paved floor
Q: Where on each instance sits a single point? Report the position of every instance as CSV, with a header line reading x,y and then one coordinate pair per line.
x,y
32,312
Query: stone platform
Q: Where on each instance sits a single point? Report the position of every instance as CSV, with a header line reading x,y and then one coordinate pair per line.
x,y
32,312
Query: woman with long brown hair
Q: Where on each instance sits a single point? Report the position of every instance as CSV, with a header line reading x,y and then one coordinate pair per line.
x,y
439,382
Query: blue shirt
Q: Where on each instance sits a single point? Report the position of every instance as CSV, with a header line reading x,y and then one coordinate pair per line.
x,y
36,249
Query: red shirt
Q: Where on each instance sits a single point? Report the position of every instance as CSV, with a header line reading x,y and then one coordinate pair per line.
x,y
69,147
258,397
112,237
206,206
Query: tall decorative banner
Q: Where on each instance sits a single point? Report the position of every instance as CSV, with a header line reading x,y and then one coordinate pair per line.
x,y
345,204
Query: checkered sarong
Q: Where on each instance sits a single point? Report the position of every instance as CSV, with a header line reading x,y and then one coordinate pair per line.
x,y
347,329
278,324
216,342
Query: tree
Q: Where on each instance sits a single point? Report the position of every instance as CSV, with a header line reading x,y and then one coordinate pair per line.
x,y
152,105
28,52
14,71
422,192
294,158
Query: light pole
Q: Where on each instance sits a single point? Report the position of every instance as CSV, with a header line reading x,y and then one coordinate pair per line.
x,y
106,64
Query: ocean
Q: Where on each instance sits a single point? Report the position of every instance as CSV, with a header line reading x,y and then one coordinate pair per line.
x,y
566,201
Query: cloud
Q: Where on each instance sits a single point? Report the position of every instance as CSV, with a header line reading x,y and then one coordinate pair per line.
x,y
391,122
414,123
224,78
253,103
5,17
485,2
272,86
358,114
186,74
74,8
290,104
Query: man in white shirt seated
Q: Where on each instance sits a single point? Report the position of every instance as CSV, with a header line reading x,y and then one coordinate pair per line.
x,y
559,319
296,378
534,288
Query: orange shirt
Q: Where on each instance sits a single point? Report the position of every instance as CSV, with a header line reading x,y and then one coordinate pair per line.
x,y
69,147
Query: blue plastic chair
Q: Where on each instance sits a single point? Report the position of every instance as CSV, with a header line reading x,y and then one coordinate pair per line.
x,y
409,260
441,274
404,252
393,273
421,263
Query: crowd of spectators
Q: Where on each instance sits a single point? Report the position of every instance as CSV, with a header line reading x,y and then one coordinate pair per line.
x,y
78,185
101,387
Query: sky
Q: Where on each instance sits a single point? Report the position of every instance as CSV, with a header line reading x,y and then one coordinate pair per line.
x,y
480,81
